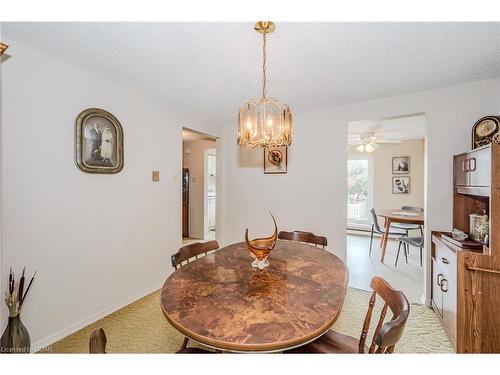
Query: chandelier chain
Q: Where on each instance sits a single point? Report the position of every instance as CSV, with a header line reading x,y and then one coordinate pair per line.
x,y
264,78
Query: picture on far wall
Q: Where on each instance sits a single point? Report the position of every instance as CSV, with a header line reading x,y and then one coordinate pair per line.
x,y
401,185
275,160
401,164
99,142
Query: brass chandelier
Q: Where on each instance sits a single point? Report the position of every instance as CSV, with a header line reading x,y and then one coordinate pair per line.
x,y
264,122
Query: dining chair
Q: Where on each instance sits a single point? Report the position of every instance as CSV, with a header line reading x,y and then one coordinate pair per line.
x,y
386,334
97,342
192,252
304,237
188,254
407,226
376,229
407,241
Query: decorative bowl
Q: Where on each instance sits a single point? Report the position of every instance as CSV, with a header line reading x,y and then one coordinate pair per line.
x,y
260,248
459,235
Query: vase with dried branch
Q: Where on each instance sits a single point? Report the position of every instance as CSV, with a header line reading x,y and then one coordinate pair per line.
x,y
16,338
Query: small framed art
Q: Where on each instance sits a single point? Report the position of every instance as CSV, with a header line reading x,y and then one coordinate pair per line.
x,y
401,185
401,164
98,142
275,160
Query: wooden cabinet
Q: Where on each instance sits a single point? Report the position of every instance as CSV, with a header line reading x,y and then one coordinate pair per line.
x,y
465,280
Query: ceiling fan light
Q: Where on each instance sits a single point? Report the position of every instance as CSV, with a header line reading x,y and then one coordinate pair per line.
x,y
361,148
369,147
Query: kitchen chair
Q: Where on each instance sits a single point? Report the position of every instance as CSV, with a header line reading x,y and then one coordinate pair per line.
x,y
376,229
304,237
408,227
194,250
97,342
407,241
186,254
386,335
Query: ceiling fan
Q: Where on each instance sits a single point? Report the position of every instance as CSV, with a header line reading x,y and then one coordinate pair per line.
x,y
367,142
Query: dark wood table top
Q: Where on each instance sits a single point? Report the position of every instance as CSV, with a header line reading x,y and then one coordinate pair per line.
x,y
402,216
219,300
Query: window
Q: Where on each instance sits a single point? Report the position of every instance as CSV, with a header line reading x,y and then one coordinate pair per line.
x,y
359,189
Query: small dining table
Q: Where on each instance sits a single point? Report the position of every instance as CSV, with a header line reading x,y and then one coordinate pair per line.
x,y
397,216
221,301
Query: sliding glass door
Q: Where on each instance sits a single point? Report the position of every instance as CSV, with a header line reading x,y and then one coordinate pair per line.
x,y
359,190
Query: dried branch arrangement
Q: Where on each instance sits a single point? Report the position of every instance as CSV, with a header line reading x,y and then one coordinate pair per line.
x,y
15,296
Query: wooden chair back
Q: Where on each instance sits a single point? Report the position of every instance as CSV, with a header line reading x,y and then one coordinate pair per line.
x,y
195,250
387,334
97,342
304,237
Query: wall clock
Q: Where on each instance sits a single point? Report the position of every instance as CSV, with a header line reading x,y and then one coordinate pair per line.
x,y
484,130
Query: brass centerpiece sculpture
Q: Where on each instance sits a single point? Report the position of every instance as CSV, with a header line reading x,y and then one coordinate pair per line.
x,y
260,248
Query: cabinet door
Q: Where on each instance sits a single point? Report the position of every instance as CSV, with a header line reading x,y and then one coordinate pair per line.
x,y
480,167
449,288
437,294
460,170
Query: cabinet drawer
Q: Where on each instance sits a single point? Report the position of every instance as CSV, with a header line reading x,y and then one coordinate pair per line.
x,y
447,259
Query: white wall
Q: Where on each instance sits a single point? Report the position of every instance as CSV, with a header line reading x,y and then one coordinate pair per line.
x,y
312,195
382,174
97,241
195,162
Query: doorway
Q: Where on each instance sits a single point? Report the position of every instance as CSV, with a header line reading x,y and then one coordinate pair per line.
x,y
199,187
385,172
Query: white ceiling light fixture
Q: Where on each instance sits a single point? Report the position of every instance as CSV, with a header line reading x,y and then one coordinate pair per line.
x,y
264,122
368,142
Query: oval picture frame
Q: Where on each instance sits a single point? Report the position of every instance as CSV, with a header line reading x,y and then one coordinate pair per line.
x,y
98,142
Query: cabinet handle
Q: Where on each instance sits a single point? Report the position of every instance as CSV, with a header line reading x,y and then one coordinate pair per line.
x,y
442,285
445,261
438,281
474,167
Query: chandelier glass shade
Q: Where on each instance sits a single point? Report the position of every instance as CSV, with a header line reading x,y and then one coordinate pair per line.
x,y
264,122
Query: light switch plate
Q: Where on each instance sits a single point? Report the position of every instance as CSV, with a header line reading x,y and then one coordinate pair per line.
x,y
156,176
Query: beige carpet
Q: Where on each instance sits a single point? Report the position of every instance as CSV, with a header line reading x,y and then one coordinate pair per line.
x,y
142,328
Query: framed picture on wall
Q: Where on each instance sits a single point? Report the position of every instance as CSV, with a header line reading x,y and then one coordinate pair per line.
x,y
275,160
401,164
401,185
98,142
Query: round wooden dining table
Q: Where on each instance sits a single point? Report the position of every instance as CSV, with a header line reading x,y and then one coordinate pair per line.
x,y
220,301
397,216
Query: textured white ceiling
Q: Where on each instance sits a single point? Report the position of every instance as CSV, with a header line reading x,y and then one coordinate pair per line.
x,y
210,69
397,129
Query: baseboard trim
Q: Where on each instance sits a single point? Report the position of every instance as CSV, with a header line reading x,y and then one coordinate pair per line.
x,y
46,341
